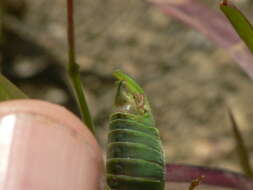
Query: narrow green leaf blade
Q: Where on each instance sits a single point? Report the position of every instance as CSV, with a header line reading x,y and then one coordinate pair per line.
x,y
9,91
131,84
241,148
240,23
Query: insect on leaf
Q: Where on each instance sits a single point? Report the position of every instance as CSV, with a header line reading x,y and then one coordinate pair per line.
x,y
240,23
135,157
9,91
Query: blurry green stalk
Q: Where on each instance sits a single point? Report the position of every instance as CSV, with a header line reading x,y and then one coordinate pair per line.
x,y
73,70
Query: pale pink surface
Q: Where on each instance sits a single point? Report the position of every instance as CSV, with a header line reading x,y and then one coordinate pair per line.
x,y
45,147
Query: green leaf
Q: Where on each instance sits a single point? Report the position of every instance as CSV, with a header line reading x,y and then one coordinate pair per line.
x,y
239,22
131,84
242,151
9,91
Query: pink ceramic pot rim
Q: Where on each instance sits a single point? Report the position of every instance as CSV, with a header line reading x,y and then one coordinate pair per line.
x,y
53,111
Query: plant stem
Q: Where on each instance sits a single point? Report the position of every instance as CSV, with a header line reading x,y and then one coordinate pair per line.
x,y
2,11
73,70
224,2
196,182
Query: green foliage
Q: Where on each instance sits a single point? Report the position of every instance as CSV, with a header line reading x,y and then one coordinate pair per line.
x,y
131,84
242,151
245,30
240,23
9,91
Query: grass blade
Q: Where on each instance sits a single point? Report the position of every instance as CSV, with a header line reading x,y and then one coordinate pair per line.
x,y
130,82
241,148
9,91
239,22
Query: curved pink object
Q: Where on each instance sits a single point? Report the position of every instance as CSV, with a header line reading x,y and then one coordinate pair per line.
x,y
217,178
45,147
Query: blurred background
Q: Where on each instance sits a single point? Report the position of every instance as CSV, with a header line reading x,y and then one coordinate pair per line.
x,y
188,79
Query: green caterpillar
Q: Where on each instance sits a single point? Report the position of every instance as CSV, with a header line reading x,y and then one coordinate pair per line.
x,y
135,158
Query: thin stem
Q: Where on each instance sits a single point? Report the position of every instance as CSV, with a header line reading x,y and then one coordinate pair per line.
x,y
71,33
196,182
2,12
224,2
73,70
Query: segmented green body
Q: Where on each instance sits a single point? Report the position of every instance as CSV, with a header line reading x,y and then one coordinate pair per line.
x,y
135,158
